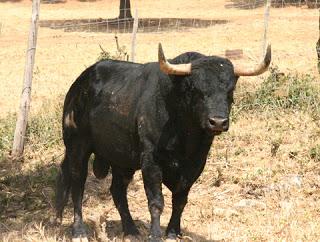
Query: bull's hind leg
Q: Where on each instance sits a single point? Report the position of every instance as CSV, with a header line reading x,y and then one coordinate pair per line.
x,y
120,181
62,189
73,175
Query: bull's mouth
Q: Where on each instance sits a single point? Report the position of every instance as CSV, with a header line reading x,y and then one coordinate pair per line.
x,y
214,132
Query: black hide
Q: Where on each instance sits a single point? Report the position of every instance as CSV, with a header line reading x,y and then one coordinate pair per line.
x,y
133,116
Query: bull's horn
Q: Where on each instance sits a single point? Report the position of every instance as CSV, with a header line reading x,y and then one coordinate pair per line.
x,y
172,69
261,68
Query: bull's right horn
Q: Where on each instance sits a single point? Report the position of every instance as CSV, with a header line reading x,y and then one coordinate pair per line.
x,y
172,69
261,68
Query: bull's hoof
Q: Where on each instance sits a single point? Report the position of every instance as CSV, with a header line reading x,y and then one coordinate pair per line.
x,y
178,238
55,221
79,232
171,240
131,230
80,239
173,237
132,238
154,239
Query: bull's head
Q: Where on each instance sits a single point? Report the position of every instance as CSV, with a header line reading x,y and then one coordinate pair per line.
x,y
213,80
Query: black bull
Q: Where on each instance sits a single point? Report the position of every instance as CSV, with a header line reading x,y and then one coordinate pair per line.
x,y
158,117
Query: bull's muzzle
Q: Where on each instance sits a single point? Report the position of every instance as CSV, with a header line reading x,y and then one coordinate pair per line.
x,y
218,124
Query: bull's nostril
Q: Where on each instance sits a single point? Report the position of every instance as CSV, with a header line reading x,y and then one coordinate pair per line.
x,y
225,123
212,121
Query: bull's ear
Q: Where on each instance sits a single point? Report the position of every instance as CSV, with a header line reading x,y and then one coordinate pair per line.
x,y
172,69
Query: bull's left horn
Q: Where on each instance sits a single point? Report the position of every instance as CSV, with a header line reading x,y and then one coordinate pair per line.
x,y
261,68
172,69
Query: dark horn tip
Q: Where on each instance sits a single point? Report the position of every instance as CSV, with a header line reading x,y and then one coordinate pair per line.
x,y
267,58
160,53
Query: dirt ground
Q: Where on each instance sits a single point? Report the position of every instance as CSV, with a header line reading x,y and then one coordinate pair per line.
x,y
261,196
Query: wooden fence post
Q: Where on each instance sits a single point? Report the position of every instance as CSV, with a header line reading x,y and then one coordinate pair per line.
x,y
318,46
266,23
134,34
21,125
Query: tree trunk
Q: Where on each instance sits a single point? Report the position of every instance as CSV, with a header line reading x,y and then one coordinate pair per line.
x,y
125,11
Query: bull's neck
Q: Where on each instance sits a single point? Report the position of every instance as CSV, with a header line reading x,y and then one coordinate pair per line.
x,y
193,140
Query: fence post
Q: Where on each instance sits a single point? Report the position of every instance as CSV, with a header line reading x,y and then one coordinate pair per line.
x,y
134,34
318,46
21,125
266,22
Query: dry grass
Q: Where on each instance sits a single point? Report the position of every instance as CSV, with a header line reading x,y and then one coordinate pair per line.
x,y
266,166
248,190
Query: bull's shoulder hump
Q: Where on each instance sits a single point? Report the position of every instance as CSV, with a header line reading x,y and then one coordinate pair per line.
x,y
115,65
112,69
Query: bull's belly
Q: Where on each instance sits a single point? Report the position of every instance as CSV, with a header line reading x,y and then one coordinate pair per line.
x,y
116,153
115,144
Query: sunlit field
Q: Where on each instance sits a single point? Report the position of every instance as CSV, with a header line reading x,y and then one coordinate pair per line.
x,y
262,178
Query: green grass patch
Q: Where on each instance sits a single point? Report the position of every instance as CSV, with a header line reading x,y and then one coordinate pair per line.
x,y
315,153
44,127
283,91
7,126
43,130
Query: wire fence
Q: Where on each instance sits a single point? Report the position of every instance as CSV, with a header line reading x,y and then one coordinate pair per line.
x,y
174,25
170,26
125,25
70,42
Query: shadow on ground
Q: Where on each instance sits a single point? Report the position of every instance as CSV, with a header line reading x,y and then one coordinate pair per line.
x,y
53,1
244,4
252,4
25,196
12,1
114,232
63,1
27,205
125,25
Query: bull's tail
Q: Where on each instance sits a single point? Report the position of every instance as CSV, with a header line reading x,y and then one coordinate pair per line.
x,y
76,105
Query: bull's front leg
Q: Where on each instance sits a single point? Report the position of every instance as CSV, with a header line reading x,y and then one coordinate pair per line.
x,y
152,179
179,201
